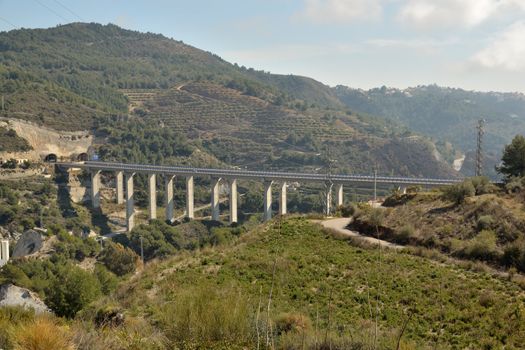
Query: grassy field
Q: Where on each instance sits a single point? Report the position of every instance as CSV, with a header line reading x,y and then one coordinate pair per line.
x,y
324,291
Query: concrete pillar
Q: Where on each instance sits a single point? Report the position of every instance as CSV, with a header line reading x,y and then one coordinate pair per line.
x,y
340,195
95,188
233,201
328,200
168,182
152,196
130,213
4,250
267,201
189,197
119,182
282,199
215,199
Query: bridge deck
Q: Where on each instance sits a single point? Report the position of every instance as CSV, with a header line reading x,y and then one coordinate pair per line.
x,y
254,175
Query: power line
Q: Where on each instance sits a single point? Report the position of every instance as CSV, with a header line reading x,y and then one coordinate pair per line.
x,y
51,10
6,21
69,10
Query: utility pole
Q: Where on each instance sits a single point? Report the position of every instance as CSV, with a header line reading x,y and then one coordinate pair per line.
x,y
142,249
329,184
375,184
479,149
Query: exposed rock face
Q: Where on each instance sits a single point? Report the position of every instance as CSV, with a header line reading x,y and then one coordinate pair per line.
x,y
45,140
29,243
11,295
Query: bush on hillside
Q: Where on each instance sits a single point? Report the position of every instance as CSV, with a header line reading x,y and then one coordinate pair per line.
x,y
71,290
119,259
73,247
348,210
405,234
482,247
457,193
514,255
485,222
108,280
292,322
515,184
43,333
481,184
208,313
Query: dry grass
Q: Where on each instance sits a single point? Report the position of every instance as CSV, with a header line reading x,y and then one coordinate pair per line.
x,y
42,333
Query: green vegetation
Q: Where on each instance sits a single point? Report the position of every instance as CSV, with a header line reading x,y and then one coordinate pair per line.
x,y
11,142
324,292
95,74
513,160
448,115
471,220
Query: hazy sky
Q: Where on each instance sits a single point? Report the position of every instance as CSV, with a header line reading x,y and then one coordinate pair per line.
x,y
473,44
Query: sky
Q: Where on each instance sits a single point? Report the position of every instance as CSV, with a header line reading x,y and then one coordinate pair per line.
x,y
470,44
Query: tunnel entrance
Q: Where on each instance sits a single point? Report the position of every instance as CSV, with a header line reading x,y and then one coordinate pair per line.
x,y
82,157
51,158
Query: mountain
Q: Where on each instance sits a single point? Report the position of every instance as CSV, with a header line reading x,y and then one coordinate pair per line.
x,y
447,115
76,76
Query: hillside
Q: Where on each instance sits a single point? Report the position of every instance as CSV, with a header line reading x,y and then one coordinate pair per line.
x,y
324,291
473,220
74,76
447,115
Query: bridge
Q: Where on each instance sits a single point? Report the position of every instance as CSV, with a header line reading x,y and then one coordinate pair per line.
x,y
124,174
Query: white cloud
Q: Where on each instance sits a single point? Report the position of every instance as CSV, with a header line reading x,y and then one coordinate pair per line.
x,y
506,50
341,11
418,44
463,13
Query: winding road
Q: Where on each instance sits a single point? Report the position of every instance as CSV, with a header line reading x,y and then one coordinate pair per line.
x,y
340,224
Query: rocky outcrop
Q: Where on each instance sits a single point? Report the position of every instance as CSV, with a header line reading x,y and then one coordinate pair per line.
x,y
29,243
11,295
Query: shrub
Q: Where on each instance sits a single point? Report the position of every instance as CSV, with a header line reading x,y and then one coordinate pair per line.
x,y
485,222
458,192
119,259
7,215
482,247
73,247
108,280
292,322
515,184
481,185
348,210
405,233
514,255
11,316
41,334
208,313
72,290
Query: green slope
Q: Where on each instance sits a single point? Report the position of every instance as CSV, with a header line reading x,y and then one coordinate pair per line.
x,y
326,283
74,76
447,114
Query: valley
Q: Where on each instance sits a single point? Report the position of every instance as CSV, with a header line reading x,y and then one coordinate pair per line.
x,y
159,197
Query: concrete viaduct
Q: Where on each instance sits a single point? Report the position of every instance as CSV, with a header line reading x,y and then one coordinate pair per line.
x,y
124,174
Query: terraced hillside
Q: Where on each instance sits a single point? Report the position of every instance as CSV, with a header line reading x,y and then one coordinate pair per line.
x,y
248,131
77,76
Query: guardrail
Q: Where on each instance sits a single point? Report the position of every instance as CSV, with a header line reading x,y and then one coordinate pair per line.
x,y
255,175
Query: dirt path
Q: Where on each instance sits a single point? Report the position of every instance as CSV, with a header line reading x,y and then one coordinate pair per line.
x,y
339,225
